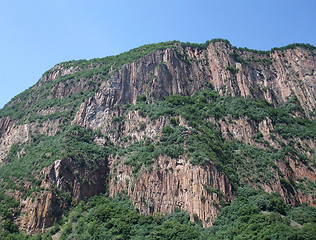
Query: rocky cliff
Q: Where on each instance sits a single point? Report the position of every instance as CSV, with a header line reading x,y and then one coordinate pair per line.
x,y
171,125
174,183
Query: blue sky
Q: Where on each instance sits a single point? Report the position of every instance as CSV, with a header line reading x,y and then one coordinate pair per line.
x,y
35,34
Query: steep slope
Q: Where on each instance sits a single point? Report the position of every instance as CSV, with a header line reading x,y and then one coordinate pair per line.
x,y
171,125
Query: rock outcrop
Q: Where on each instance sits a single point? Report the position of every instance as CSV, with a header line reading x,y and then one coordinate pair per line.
x,y
64,183
169,183
40,211
167,72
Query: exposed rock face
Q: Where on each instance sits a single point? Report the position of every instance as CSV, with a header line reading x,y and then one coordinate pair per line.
x,y
73,183
290,168
10,135
165,73
40,211
185,71
295,72
174,183
78,180
20,133
169,183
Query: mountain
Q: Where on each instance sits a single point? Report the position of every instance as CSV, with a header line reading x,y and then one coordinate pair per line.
x,y
171,126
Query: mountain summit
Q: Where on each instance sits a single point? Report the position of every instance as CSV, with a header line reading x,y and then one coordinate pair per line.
x,y
170,126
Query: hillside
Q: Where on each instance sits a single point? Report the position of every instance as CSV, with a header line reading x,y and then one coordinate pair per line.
x,y
172,127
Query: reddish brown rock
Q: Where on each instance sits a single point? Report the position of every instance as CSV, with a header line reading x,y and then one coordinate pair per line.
x,y
169,183
174,183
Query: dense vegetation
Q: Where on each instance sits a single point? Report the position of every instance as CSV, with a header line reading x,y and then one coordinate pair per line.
x,y
290,46
252,215
204,144
103,218
75,143
257,215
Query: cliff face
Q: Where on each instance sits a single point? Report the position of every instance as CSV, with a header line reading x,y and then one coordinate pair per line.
x,y
98,96
274,77
186,71
174,183
64,183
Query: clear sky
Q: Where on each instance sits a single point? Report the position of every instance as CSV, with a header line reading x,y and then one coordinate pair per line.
x,y
37,34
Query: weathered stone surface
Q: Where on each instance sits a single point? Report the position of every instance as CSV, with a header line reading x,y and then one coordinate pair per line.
x,y
40,210
80,181
164,73
173,183
63,182
170,183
